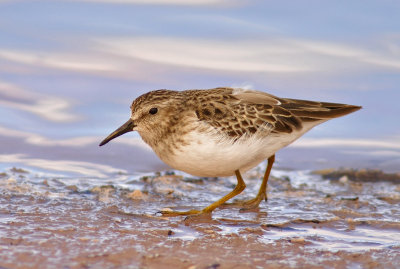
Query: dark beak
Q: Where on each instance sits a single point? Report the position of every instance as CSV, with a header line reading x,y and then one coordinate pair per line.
x,y
125,128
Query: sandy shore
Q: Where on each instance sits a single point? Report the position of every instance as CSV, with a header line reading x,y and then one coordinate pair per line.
x,y
307,221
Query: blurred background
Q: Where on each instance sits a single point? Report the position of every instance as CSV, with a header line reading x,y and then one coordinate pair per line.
x,y
69,71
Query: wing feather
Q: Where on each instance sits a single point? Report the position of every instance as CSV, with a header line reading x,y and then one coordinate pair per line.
x,y
237,112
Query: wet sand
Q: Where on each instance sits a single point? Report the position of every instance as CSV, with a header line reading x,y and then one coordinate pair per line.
x,y
308,222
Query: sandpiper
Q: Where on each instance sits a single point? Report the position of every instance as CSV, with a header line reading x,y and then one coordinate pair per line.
x,y
223,131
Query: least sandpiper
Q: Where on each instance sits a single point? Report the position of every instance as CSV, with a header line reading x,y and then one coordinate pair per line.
x,y
223,131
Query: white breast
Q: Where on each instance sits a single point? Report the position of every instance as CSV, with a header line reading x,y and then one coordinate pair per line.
x,y
208,155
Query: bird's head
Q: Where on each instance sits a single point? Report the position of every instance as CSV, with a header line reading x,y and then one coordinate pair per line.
x,y
150,114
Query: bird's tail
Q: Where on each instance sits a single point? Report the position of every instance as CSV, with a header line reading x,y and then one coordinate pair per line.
x,y
309,111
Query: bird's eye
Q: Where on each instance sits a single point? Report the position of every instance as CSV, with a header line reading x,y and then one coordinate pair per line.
x,y
153,110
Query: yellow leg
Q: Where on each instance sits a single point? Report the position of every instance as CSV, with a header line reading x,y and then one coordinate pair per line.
x,y
262,193
238,189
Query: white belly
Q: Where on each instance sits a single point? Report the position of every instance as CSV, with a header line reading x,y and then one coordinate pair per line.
x,y
208,156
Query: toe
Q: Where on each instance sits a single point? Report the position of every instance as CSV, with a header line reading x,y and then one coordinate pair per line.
x,y
171,213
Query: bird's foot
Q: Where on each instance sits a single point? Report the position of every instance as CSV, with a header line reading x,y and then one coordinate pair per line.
x,y
191,215
246,205
172,213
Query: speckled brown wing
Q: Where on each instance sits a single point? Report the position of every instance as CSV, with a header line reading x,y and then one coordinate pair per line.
x,y
238,112
288,115
233,116
269,109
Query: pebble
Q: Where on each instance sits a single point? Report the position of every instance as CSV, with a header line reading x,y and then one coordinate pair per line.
x,y
344,179
137,195
298,240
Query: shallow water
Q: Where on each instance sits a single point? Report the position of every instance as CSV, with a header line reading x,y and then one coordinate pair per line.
x,y
49,221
